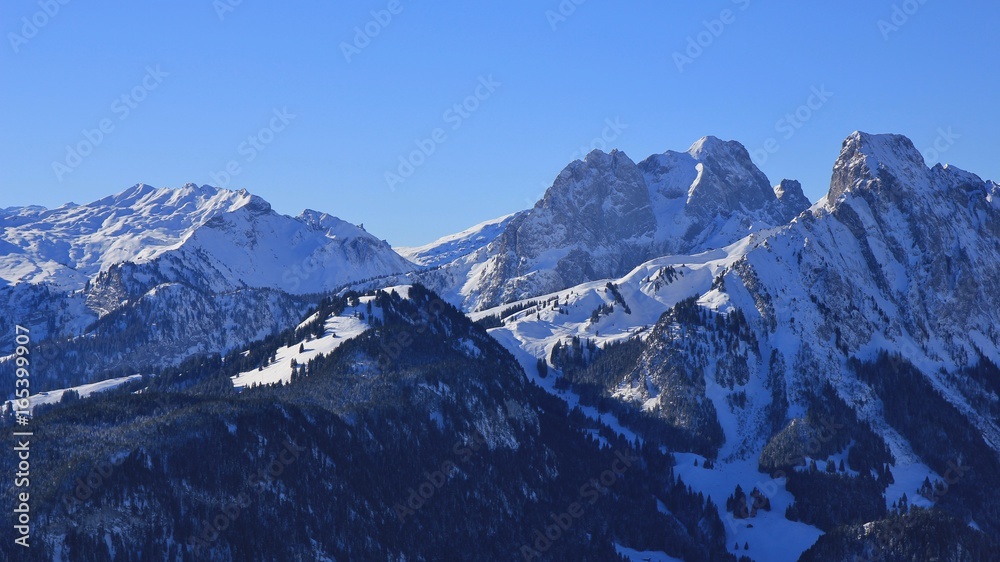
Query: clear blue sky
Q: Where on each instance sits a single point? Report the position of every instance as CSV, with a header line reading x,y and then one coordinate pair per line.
x,y
225,77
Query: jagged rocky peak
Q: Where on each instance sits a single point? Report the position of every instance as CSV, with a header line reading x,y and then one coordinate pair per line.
x,y
709,146
598,167
602,194
715,177
728,179
258,205
790,194
993,195
883,163
318,219
605,214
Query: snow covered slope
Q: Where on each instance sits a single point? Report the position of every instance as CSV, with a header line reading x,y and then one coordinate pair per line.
x,y
449,248
258,248
69,245
85,390
171,272
650,291
230,237
338,329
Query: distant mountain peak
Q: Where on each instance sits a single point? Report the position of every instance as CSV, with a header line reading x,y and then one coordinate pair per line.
x,y
70,245
790,194
313,217
333,226
877,162
597,160
709,146
727,179
136,190
605,214
255,204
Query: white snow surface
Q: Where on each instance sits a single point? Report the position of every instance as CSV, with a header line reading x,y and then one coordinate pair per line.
x,y
231,238
453,246
85,390
644,556
338,329
68,245
772,538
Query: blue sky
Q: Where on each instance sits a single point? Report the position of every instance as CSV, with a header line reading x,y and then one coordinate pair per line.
x,y
269,91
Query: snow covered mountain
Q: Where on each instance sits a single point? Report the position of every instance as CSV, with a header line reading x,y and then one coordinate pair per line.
x,y
172,271
67,246
453,246
234,235
801,382
880,302
606,214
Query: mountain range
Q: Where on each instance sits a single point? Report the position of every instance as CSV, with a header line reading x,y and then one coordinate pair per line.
x,y
791,380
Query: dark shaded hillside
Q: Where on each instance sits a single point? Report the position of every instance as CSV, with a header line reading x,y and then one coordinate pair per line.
x,y
333,465
919,535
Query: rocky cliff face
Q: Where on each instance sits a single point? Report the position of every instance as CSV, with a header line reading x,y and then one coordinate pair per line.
x,y
876,310
606,214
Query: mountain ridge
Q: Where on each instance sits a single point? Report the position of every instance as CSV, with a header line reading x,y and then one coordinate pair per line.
x,y
70,245
788,350
605,214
